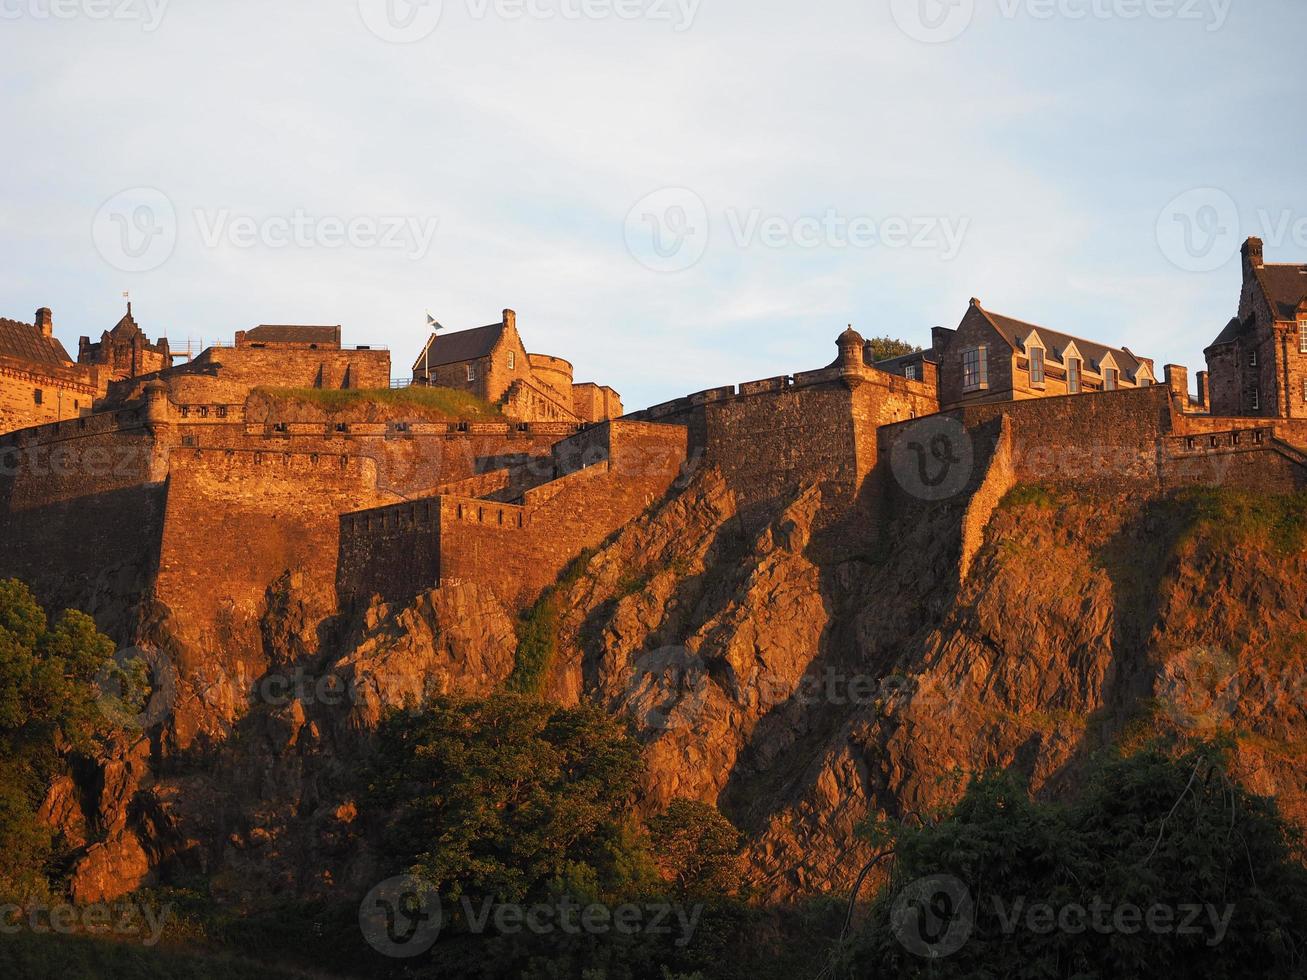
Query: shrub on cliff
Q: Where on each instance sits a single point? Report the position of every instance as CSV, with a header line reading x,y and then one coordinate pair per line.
x,y
1165,867
50,707
883,348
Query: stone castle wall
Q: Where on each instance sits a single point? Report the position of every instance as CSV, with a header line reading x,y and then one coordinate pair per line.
x,y
608,476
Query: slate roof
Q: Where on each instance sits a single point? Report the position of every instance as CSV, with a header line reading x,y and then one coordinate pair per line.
x,y
465,345
1232,332
1285,287
1016,331
25,342
267,333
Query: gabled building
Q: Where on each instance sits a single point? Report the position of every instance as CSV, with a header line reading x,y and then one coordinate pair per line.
x,y
492,363
39,382
1258,364
125,351
991,358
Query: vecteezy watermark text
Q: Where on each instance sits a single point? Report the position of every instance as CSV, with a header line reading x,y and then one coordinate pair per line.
x,y
402,917
409,21
939,21
670,230
123,919
149,13
137,230
935,916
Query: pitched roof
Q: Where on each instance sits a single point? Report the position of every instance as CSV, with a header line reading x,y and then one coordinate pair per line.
x,y
267,333
1232,331
25,342
465,345
1285,287
1016,331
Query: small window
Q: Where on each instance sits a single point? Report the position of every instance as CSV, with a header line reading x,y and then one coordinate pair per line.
x,y
910,372
221,411
1304,390
1073,375
76,404
1302,336
471,372
1144,381
1257,399
512,360
186,411
1109,379
38,396
1036,365
1252,357
975,369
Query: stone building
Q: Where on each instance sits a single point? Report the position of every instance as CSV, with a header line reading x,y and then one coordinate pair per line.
x,y
995,358
125,351
1257,365
492,363
39,382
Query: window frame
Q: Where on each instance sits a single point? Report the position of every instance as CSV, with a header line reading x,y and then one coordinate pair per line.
x,y
1302,335
1042,372
1257,399
1252,357
512,360
38,396
1075,368
980,381
471,372
1111,379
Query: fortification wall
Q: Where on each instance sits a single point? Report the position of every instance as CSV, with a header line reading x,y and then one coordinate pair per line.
x,y
517,551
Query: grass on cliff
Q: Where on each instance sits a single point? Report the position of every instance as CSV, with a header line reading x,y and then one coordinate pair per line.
x,y
435,403
537,632
1226,516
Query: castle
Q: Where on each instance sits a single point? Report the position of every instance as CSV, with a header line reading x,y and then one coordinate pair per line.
x,y
199,487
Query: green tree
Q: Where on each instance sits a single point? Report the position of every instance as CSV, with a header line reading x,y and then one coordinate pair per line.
x,y
503,796
883,348
696,849
50,709
1009,887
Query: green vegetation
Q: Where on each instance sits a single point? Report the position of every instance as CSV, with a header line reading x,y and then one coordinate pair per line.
x,y
883,348
1030,495
537,631
51,711
436,404
1152,835
58,957
1226,516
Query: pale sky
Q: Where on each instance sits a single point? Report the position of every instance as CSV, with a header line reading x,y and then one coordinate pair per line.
x,y
673,194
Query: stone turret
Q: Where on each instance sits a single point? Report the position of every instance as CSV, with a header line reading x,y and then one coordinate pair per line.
x,y
851,363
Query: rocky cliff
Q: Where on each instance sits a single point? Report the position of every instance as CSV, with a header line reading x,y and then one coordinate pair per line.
x,y
803,671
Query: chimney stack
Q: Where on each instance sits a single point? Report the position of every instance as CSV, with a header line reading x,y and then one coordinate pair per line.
x,y
45,322
510,319
1252,254
1202,388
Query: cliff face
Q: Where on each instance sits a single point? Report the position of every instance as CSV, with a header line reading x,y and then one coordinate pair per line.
x,y
798,669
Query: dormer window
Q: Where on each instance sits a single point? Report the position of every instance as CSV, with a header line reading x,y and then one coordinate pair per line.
x,y
1036,365
1073,375
910,372
1109,379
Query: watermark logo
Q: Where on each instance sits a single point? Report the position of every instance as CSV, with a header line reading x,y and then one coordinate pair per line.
x,y
401,917
299,229
933,917
1198,231
668,688
125,919
667,231
933,21
933,458
136,229
148,13
137,688
401,21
